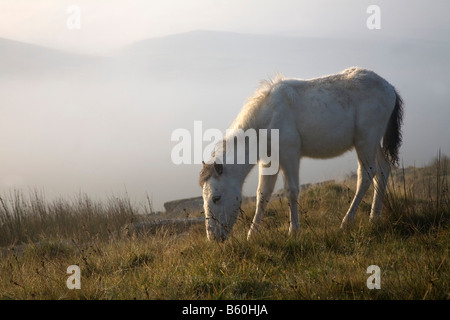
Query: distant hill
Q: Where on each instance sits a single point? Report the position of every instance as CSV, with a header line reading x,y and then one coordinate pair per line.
x,y
204,53
24,59
215,54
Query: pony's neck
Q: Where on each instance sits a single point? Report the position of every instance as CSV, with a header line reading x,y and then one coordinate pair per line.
x,y
238,173
237,165
248,123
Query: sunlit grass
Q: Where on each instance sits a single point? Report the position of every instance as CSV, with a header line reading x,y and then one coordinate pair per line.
x,y
40,239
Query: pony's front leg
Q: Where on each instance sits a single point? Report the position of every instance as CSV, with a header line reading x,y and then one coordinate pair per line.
x,y
265,189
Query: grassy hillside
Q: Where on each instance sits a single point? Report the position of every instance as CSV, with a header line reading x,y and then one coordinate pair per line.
x,y
40,239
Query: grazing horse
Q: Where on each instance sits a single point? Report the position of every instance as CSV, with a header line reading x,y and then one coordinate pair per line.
x,y
317,118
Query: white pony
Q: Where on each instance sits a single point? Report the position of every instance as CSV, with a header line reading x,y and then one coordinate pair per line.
x,y
317,118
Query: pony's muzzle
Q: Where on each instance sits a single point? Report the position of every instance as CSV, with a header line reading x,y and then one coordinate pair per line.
x,y
214,231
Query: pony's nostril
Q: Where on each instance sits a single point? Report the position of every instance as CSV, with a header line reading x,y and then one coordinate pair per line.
x,y
215,198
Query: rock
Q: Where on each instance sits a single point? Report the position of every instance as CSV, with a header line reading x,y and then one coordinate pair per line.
x,y
180,223
187,207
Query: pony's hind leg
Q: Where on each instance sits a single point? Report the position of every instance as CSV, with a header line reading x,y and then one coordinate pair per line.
x,y
290,170
265,189
380,183
366,172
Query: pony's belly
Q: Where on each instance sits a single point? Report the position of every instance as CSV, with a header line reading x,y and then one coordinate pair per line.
x,y
318,153
326,145
326,130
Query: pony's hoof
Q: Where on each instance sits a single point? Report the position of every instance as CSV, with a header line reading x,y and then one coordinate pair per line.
x,y
294,231
251,233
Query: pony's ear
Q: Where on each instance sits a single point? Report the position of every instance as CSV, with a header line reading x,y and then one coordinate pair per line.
x,y
218,167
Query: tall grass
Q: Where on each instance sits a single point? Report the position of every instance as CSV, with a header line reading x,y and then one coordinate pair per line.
x,y
25,219
410,245
418,202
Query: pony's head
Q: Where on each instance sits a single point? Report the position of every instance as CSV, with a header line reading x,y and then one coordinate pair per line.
x,y
221,200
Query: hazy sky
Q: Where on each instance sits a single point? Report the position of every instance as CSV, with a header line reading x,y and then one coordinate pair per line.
x,y
105,134
107,24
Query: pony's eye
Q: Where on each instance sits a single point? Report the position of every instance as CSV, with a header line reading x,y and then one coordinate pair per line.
x,y
216,198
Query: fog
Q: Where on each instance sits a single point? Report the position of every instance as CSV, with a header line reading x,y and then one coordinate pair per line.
x,y
96,117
